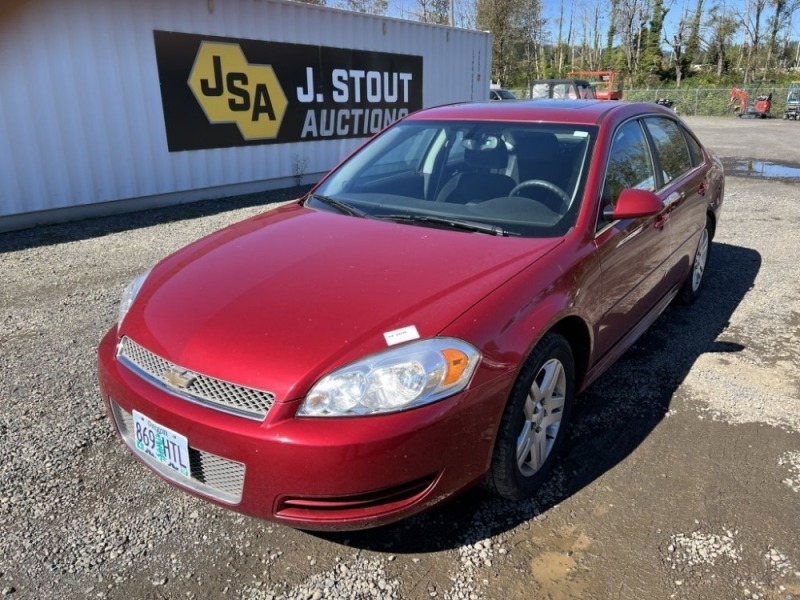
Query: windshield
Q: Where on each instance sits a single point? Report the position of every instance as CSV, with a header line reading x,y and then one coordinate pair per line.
x,y
518,179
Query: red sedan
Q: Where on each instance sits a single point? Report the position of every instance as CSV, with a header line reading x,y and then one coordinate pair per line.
x,y
422,320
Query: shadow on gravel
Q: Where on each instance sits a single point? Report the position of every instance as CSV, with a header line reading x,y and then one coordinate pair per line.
x,y
47,235
613,417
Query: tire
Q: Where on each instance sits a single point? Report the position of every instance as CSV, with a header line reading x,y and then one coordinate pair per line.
x,y
693,285
533,426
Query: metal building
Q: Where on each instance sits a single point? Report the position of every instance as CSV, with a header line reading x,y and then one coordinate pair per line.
x,y
113,106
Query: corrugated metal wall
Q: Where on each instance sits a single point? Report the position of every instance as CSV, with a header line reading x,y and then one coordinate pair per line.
x,y
81,118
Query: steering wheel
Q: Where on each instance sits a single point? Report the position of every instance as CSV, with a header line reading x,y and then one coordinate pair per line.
x,y
546,185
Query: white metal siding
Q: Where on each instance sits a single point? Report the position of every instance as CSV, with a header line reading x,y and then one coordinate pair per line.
x,y
81,119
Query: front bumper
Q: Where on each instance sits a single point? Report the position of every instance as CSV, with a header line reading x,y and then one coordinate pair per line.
x,y
315,473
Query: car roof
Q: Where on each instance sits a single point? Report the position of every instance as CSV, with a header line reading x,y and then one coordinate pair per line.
x,y
578,112
554,81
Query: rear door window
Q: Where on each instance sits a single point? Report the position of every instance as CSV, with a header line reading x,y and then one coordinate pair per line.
x,y
694,149
672,152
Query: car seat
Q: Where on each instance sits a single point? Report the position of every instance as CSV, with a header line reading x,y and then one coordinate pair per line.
x,y
479,180
537,157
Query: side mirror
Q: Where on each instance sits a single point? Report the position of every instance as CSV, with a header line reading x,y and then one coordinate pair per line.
x,y
634,204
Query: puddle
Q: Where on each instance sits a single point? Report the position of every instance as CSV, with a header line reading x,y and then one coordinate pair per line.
x,y
764,169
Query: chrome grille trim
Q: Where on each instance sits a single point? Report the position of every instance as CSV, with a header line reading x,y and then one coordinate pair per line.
x,y
228,397
211,475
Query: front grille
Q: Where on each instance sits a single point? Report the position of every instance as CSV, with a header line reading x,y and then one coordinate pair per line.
x,y
228,397
211,475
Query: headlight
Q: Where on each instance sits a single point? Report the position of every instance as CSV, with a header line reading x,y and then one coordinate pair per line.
x,y
129,295
398,379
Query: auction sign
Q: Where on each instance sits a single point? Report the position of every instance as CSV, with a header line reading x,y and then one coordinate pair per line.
x,y
221,92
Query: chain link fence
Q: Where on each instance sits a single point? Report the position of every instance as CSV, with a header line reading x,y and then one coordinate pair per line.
x,y
708,101
699,101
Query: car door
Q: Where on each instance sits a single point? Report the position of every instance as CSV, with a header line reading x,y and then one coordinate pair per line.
x,y
683,181
631,252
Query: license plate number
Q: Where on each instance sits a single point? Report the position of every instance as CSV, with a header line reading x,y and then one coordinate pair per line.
x,y
161,443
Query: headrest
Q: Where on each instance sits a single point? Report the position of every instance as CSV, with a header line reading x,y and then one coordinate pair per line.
x,y
537,146
488,152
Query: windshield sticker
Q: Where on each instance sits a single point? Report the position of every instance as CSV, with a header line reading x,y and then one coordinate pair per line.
x,y
580,134
401,335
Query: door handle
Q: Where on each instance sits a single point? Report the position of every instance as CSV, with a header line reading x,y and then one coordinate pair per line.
x,y
673,200
703,188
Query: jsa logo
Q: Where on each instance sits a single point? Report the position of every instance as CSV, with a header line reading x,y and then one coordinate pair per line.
x,y
231,90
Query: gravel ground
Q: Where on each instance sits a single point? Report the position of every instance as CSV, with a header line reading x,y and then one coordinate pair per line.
x,y
681,478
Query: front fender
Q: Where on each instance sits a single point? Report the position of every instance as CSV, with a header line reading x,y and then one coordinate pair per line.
x,y
508,323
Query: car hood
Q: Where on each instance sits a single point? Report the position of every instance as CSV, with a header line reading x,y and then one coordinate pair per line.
x,y
278,300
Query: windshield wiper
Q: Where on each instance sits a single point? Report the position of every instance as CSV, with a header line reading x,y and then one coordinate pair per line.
x,y
340,206
451,223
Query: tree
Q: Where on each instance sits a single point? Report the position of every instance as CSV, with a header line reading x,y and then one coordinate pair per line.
x,y
781,18
723,26
677,44
629,36
532,39
751,22
651,57
592,57
608,59
434,11
693,42
564,45
466,13
630,24
498,17
372,7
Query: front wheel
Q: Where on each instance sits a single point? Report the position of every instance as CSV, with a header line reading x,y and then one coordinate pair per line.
x,y
533,425
693,284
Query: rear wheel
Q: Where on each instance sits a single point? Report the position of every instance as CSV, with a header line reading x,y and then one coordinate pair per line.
x,y
532,429
693,285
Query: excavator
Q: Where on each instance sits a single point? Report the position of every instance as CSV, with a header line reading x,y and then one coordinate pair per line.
x,y
740,103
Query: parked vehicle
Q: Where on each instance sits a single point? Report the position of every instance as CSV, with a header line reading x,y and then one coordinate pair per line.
x,y
562,89
501,94
667,102
422,320
792,101
608,85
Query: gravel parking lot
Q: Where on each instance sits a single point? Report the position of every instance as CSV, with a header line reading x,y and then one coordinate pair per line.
x,y
681,478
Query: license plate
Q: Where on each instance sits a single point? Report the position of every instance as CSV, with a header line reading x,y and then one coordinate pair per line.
x,y
161,443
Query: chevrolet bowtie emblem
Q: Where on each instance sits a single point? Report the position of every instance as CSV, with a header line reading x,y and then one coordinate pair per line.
x,y
179,380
